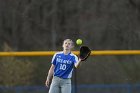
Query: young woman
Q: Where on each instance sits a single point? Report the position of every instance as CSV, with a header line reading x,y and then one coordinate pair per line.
x,y
60,72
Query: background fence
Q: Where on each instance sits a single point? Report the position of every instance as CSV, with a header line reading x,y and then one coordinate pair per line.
x,y
77,88
101,88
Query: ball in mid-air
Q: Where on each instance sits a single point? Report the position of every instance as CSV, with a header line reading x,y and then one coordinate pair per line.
x,y
78,41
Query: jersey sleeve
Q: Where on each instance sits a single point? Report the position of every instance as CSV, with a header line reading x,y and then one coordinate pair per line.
x,y
54,59
75,59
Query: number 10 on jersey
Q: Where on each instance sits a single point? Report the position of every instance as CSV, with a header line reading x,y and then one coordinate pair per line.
x,y
63,66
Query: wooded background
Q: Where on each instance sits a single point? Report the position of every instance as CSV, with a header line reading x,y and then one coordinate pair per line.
x,y
42,25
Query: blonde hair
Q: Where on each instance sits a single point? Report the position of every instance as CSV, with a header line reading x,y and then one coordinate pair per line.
x,y
69,40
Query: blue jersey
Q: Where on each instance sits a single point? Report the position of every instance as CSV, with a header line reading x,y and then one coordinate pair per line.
x,y
64,64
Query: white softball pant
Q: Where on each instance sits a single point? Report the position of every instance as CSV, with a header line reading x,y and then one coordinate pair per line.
x,y
60,85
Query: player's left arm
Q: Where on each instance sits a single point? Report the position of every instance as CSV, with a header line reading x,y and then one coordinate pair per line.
x,y
78,63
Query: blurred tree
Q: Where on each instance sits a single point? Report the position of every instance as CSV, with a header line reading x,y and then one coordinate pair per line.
x,y
28,25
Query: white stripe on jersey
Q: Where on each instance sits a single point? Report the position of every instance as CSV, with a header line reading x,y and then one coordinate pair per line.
x,y
76,58
70,75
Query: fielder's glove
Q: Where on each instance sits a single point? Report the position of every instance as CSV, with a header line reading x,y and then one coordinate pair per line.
x,y
84,53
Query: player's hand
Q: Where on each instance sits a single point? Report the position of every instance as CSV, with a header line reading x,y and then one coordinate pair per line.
x,y
80,60
47,83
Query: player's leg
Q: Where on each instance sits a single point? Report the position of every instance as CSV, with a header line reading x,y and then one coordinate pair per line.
x,y
66,86
54,88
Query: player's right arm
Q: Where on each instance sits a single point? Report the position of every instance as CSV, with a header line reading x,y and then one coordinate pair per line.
x,y
51,71
50,75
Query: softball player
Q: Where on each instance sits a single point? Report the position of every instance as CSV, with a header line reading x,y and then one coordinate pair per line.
x,y
61,69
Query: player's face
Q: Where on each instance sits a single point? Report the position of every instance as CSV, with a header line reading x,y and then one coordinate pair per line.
x,y
67,45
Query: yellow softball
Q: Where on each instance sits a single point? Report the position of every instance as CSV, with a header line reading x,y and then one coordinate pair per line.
x,y
79,41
